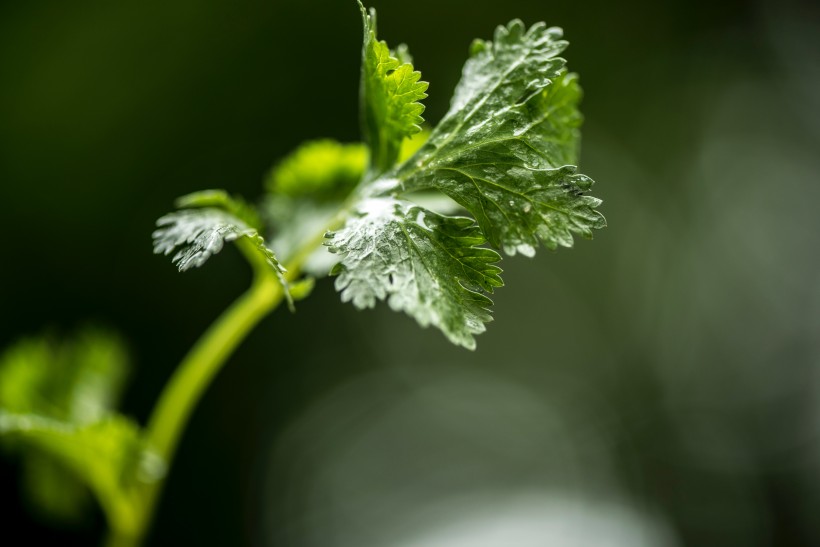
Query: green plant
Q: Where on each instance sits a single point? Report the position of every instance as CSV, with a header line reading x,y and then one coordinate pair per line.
x,y
411,217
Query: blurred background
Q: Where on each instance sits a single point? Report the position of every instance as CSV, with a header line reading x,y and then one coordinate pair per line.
x,y
658,386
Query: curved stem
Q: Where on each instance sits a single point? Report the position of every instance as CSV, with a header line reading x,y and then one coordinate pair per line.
x,y
205,359
191,378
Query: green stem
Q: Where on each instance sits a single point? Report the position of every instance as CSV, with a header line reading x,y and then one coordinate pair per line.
x,y
120,538
191,379
197,370
204,360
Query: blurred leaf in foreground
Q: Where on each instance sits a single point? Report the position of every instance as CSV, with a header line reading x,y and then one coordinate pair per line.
x,y
57,404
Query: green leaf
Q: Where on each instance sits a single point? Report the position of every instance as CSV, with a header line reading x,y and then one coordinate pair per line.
x,y
322,171
427,265
390,97
502,150
302,288
77,380
197,234
56,409
109,455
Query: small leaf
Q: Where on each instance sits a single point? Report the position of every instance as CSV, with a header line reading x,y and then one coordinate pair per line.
x,y
75,380
302,288
391,95
322,171
109,454
427,265
198,234
56,409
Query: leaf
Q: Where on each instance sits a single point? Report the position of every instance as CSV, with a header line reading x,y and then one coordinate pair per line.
x,y
422,263
197,234
109,454
56,409
390,97
322,171
302,288
502,150
76,380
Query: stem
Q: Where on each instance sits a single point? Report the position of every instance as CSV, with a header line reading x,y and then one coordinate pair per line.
x,y
118,538
204,360
197,370
189,382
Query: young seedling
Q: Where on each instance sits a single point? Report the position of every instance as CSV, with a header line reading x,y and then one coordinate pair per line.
x,y
410,217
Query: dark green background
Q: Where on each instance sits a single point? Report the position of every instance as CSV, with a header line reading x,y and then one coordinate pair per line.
x,y
670,367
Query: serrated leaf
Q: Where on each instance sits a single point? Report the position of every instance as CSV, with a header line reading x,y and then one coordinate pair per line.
x,y
197,234
391,92
427,265
502,150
